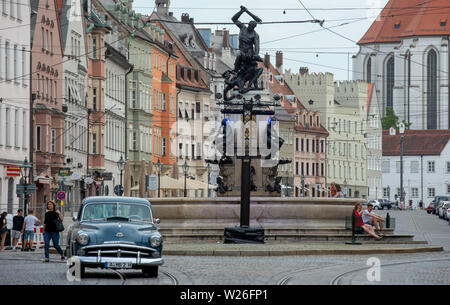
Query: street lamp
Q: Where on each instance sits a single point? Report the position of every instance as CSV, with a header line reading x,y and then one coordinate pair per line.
x,y
159,166
208,170
121,166
185,167
25,170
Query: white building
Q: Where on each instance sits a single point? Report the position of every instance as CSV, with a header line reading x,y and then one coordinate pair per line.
x,y
407,56
374,145
14,96
426,165
75,71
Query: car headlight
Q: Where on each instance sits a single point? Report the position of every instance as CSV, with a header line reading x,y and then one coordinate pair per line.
x,y
155,241
83,238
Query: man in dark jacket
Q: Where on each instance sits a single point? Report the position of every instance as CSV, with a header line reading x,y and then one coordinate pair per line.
x,y
17,228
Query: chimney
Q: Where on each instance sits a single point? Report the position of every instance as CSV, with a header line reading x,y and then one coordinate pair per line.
x,y
191,20
185,17
279,60
226,39
304,70
267,61
162,7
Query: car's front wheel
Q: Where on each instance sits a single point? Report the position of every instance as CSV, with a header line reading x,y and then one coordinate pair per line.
x,y
151,271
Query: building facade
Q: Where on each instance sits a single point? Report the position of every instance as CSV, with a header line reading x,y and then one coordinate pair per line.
x,y
74,76
48,115
406,55
342,107
426,165
374,146
14,98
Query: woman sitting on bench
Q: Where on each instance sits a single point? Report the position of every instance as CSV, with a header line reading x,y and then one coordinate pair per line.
x,y
359,222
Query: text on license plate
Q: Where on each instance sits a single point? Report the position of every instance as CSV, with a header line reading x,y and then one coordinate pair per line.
x,y
118,265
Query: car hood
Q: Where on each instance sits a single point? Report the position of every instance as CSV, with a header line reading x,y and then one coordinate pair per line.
x,y
101,232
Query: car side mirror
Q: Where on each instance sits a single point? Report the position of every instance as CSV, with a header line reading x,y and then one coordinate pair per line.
x,y
75,216
157,221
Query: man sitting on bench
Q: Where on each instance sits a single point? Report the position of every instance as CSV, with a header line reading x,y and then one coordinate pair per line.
x,y
372,219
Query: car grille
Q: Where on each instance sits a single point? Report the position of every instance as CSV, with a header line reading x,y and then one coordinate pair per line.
x,y
119,250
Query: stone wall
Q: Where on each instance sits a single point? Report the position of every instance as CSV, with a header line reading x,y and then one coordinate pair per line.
x,y
262,209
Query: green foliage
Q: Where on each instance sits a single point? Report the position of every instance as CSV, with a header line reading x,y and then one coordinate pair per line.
x,y
391,120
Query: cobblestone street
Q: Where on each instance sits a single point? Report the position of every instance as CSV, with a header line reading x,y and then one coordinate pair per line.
x,y
421,268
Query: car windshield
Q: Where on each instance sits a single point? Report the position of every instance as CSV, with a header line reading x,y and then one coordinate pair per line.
x,y
117,211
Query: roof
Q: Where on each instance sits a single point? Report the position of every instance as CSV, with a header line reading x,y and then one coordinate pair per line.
x,y
405,18
416,143
115,199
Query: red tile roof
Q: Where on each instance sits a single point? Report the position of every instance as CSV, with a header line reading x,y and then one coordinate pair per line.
x,y
369,96
416,143
405,18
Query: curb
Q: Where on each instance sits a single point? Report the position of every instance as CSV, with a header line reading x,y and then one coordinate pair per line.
x,y
301,252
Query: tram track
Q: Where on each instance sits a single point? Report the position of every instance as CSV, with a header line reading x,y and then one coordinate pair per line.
x,y
336,279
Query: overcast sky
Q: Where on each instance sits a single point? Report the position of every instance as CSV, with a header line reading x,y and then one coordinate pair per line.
x,y
305,50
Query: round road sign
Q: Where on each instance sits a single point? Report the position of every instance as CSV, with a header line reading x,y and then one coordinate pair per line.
x,y
61,195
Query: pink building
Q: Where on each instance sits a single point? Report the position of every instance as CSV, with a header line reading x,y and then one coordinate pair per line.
x,y
48,117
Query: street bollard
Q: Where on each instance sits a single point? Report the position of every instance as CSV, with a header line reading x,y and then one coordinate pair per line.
x,y
388,221
353,242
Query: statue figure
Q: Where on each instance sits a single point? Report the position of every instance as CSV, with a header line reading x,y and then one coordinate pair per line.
x,y
246,72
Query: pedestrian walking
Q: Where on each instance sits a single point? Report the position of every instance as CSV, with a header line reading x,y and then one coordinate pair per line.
x,y
3,230
30,222
52,216
17,228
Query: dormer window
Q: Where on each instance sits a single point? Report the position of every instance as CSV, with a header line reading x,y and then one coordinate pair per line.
x,y
443,22
397,25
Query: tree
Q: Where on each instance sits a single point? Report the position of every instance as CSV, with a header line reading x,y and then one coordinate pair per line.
x,y
391,120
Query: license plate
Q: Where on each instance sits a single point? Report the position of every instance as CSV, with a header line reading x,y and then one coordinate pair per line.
x,y
117,265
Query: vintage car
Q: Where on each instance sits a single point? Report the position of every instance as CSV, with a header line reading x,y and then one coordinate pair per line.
x,y
116,233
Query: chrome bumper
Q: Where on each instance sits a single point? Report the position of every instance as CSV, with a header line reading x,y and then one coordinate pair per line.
x,y
137,262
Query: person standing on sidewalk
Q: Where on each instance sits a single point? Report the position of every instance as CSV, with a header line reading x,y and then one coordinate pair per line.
x,y
3,230
50,231
17,228
30,222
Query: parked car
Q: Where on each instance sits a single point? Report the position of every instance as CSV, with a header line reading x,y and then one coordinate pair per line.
x,y
447,212
376,204
443,206
385,204
436,201
116,233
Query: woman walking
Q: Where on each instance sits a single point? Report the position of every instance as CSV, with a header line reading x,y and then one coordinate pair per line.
x,y
3,230
50,230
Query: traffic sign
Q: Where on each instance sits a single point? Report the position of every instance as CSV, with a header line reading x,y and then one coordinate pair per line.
x,y
61,195
88,180
118,190
64,172
29,188
153,182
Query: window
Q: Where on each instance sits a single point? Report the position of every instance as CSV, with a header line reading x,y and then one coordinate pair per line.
x,y
448,167
163,146
38,138
19,11
133,94
397,163
448,188
16,62
431,166
94,143
390,80
414,167
23,66
432,88
94,47
7,60
24,130
414,192
51,42
296,168
431,192
134,141
94,99
16,128
11,8
8,127
386,167
369,70
296,144
53,141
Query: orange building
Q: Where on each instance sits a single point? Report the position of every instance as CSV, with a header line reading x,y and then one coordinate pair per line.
x,y
164,105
